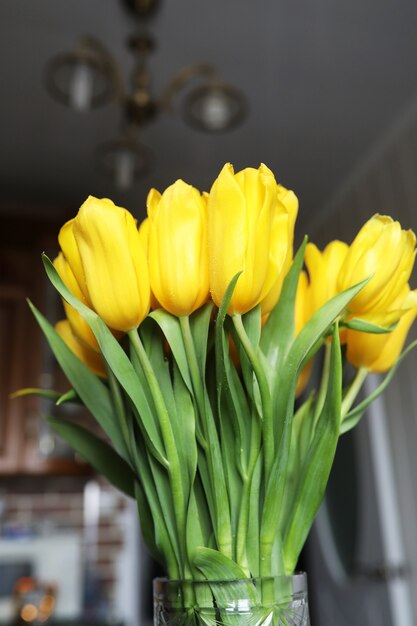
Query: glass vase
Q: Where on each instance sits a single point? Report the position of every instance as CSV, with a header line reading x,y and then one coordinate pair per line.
x,y
275,601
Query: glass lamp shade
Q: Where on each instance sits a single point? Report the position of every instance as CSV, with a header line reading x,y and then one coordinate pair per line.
x,y
79,80
124,160
214,107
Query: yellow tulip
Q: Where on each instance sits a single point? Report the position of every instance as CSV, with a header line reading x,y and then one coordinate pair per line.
x,y
241,209
177,248
281,246
323,270
384,252
378,353
113,263
78,324
89,357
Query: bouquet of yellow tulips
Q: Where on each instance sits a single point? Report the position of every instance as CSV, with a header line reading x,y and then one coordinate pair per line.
x,y
190,337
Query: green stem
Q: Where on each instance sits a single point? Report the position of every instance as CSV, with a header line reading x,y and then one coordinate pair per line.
x,y
196,375
353,391
242,530
174,468
323,384
224,532
268,425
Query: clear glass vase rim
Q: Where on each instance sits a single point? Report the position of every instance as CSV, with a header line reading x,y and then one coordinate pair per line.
x,y
163,580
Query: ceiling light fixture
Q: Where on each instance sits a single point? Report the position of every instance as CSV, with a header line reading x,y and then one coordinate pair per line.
x,y
89,77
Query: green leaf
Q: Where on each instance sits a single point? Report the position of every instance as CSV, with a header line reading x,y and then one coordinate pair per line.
x,y
117,361
152,342
171,328
217,567
69,396
34,391
146,522
220,338
184,428
98,453
367,327
278,332
163,491
350,422
355,414
318,325
198,529
236,411
92,391
231,462
200,324
252,322
161,542
318,463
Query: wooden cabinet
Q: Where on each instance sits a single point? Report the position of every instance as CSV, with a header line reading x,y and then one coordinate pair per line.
x,y
26,444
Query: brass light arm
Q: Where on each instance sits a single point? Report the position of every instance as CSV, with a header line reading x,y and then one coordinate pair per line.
x,y
89,46
181,79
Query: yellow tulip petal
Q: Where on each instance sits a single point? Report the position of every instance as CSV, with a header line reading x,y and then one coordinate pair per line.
x,y
323,269
177,252
78,323
114,263
364,240
240,217
71,253
379,352
89,357
385,253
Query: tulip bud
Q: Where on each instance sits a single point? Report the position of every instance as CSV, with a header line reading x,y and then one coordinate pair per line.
x,y
281,246
378,353
70,251
385,253
241,209
323,270
89,357
113,262
177,248
78,324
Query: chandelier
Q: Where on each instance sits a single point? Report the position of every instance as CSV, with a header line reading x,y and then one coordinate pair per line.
x,y
88,77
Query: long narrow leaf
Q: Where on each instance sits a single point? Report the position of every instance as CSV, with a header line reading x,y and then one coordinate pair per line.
x,y
278,331
49,394
200,324
216,566
184,427
97,452
170,326
68,396
117,361
367,327
88,386
318,463
146,522
319,324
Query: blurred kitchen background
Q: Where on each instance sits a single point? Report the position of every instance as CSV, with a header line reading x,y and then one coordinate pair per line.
x,y
113,97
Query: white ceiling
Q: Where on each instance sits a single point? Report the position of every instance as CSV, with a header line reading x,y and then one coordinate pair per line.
x,y
324,80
